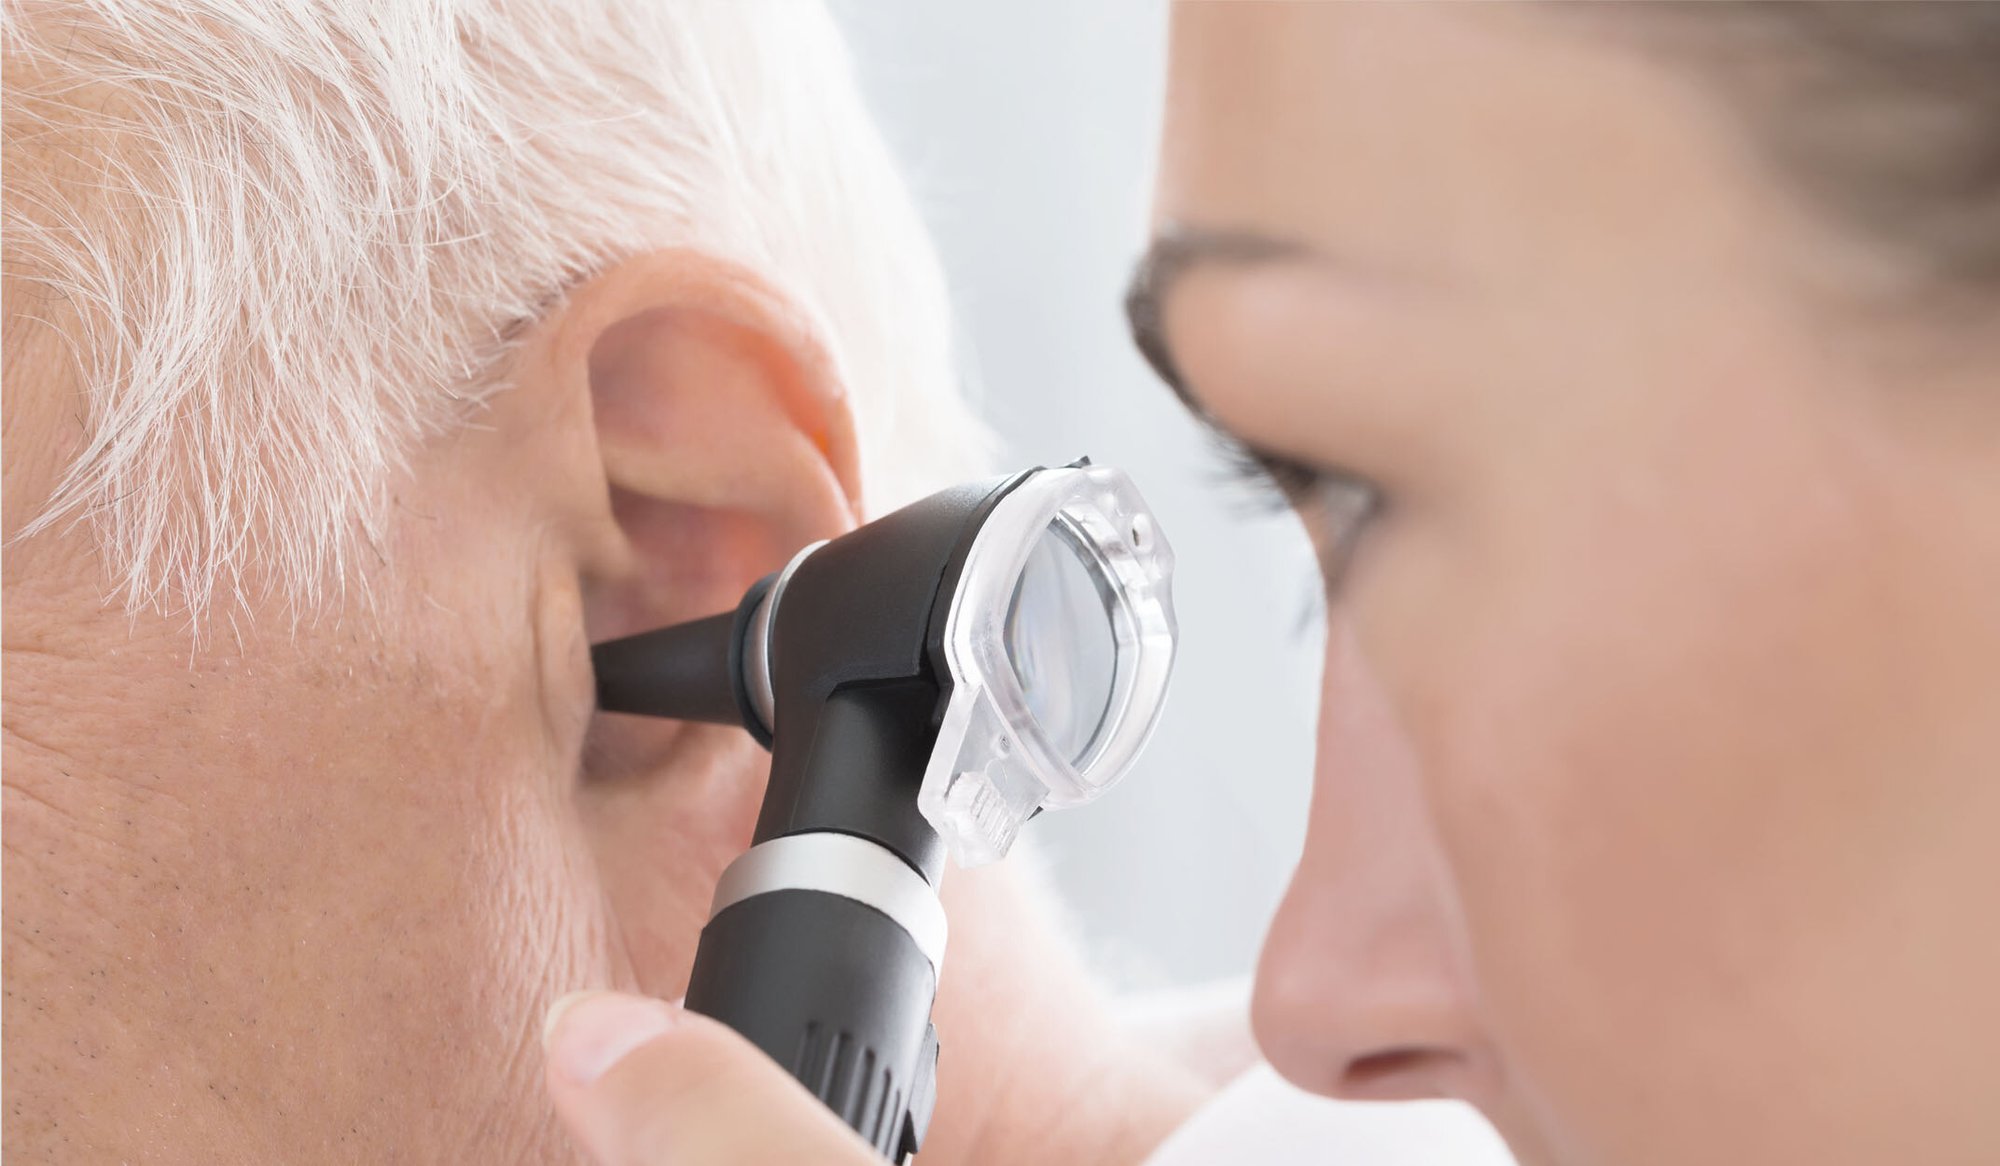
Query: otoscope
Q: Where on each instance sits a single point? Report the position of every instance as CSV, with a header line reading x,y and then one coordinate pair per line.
x,y
926,683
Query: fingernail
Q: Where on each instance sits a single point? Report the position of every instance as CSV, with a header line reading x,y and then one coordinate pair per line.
x,y
588,1032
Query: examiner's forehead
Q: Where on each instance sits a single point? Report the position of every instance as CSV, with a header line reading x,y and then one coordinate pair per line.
x,y
1267,103
1379,129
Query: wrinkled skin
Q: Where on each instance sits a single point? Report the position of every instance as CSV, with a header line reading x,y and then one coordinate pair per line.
x,y
1656,778
304,893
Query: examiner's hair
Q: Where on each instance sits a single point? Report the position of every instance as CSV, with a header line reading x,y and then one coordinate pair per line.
x,y
287,238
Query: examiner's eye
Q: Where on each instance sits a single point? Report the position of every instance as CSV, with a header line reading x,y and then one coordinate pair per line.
x,y
1336,506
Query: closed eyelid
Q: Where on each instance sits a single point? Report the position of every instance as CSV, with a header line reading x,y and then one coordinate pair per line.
x,y
1336,510
1295,477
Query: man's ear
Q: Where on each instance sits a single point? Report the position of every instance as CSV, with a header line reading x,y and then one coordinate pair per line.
x,y
721,424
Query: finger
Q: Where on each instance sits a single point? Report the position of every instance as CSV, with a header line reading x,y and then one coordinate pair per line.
x,y
644,1083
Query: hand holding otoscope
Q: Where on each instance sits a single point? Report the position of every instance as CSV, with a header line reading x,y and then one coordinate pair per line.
x,y
926,683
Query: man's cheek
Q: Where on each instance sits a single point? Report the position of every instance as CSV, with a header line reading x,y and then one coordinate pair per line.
x,y
660,837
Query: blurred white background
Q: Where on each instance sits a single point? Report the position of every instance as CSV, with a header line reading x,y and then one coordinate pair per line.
x,y
1028,130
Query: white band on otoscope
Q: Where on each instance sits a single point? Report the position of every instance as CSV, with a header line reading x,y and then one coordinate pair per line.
x,y
844,865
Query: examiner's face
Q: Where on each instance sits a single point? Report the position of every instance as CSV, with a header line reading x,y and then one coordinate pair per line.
x,y
1656,764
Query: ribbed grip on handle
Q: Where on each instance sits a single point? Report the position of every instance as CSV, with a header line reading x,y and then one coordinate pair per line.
x,y
859,1084
836,992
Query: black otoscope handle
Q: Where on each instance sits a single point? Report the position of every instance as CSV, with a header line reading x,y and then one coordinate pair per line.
x,y
837,993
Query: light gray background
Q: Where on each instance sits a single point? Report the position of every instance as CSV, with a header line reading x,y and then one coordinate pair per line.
x,y
1028,129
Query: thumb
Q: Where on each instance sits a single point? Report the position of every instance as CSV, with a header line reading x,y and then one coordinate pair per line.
x,y
641,1082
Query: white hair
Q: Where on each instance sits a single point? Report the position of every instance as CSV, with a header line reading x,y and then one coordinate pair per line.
x,y
292,237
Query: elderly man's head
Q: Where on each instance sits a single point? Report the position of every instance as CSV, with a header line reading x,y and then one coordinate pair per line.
x,y
363,362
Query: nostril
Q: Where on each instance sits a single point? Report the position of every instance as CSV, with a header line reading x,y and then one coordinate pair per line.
x,y
1402,1074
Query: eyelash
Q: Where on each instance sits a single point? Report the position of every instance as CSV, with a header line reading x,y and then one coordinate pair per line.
x,y
1337,507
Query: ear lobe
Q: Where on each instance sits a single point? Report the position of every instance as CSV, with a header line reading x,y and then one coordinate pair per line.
x,y
724,431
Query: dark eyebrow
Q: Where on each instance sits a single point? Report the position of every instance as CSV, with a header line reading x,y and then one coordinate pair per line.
x,y
1174,252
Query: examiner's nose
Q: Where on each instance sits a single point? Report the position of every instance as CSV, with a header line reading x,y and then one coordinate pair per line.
x,y
1361,991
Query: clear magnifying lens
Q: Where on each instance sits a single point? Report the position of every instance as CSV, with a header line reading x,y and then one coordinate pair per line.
x,y
1060,641
1059,647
